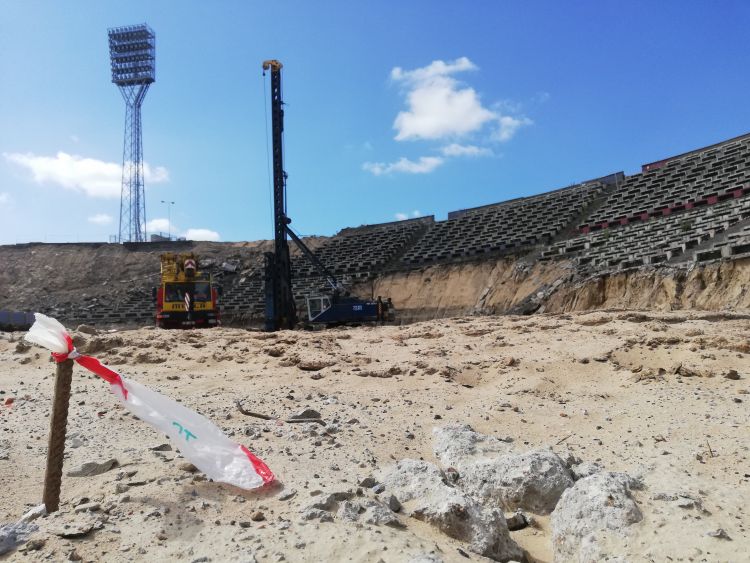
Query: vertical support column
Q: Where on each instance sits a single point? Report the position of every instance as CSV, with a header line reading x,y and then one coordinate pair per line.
x,y
57,430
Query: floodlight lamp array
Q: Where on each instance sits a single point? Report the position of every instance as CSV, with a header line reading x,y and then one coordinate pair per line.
x,y
132,51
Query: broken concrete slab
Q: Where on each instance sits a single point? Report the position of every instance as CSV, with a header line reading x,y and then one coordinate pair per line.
x,y
458,444
531,481
424,494
591,510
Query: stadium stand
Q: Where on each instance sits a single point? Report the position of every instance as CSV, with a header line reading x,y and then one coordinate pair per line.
x,y
691,207
365,249
659,239
701,177
505,228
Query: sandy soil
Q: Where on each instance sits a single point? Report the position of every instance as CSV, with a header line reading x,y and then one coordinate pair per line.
x,y
603,386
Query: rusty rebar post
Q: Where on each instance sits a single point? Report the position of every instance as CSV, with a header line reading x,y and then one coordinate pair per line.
x,y
57,427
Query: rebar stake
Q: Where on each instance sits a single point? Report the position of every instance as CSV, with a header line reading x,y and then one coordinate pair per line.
x,y
57,428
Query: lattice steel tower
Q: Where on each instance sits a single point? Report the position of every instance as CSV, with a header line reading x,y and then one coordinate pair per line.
x,y
132,51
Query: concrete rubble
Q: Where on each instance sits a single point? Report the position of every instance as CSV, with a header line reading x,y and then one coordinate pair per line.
x,y
596,507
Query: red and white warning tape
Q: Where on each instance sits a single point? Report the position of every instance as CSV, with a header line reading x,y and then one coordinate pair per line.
x,y
198,439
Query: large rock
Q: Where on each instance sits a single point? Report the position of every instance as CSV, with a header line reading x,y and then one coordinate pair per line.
x,y
532,481
425,495
593,509
458,444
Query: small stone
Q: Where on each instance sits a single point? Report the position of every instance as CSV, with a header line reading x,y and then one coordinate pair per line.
x,y
121,488
257,516
91,468
162,448
188,467
394,504
288,495
36,544
368,482
720,534
317,514
732,374
307,413
88,507
517,522
161,536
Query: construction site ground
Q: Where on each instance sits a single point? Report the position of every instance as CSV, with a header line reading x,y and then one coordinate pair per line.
x,y
661,396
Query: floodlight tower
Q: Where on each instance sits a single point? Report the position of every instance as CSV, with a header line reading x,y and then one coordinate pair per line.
x,y
132,51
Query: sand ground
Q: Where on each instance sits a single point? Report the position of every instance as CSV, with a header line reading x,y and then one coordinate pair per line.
x,y
602,386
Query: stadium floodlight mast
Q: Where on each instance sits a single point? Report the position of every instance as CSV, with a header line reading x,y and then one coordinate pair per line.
x,y
132,52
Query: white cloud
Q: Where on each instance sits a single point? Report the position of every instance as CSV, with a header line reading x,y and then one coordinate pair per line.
x,y
435,69
160,226
202,234
508,126
4,198
100,219
424,165
93,177
440,107
404,216
454,149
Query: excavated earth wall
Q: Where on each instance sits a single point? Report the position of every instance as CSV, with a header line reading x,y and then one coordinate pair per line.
x,y
508,286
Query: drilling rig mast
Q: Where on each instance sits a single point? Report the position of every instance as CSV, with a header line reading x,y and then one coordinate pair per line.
x,y
281,312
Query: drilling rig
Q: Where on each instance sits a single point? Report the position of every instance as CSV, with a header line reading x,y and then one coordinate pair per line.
x,y
281,311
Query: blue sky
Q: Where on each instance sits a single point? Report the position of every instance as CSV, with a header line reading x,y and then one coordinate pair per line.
x,y
393,108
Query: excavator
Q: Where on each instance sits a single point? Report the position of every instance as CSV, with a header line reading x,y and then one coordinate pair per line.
x,y
333,308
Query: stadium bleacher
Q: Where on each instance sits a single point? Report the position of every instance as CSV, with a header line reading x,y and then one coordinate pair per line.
x,y
503,228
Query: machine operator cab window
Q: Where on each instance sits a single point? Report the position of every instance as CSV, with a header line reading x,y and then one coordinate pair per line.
x,y
316,305
175,292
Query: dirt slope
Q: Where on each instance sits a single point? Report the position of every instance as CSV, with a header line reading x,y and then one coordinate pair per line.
x,y
501,286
